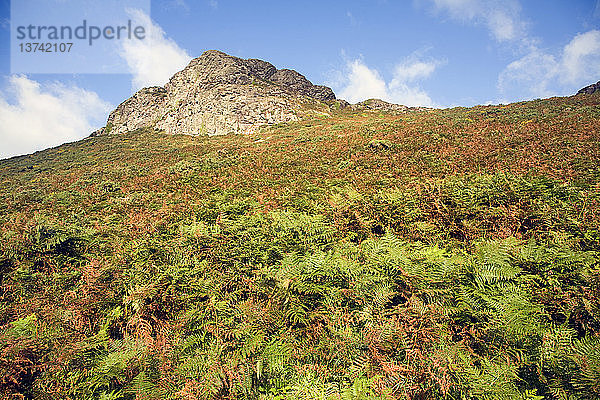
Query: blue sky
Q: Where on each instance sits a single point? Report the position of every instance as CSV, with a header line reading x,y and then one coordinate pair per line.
x,y
437,53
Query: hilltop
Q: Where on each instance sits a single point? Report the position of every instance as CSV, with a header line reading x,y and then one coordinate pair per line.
x,y
218,94
354,253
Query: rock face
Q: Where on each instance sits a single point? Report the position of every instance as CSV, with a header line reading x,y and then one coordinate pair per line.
x,y
593,88
219,94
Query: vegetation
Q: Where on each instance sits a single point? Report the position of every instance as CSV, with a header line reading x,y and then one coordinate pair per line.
x,y
441,254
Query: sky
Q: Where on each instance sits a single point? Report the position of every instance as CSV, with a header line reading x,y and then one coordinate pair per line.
x,y
436,53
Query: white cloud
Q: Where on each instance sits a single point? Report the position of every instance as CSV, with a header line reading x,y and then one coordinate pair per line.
x,y
412,96
581,58
501,17
214,4
534,74
414,70
537,73
155,59
528,75
35,116
361,83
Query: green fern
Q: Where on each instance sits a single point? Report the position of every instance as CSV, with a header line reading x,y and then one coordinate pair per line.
x,y
586,355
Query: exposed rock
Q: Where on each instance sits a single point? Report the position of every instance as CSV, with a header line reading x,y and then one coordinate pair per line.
x,y
262,69
138,110
593,88
297,82
219,94
343,103
377,104
380,145
380,105
322,93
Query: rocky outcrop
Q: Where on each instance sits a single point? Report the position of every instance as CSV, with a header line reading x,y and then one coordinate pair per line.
x,y
137,111
380,105
594,88
219,94
298,83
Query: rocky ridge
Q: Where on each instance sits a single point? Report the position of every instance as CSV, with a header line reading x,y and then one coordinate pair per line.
x,y
220,94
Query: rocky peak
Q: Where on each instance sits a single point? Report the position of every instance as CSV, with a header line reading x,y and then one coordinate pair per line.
x,y
215,67
218,94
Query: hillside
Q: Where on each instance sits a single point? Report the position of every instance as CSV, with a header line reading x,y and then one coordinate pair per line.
x,y
424,254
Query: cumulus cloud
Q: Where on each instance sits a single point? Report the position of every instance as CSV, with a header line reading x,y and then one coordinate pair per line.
x,y
155,59
35,116
413,70
361,83
537,73
581,57
501,17
541,74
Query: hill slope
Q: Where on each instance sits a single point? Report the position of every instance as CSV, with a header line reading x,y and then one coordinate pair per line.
x,y
432,254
